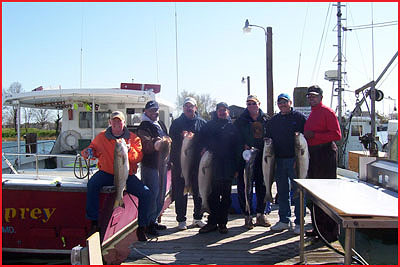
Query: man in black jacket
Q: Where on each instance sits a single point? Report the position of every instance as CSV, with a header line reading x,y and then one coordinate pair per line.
x,y
251,125
189,121
281,128
151,130
220,137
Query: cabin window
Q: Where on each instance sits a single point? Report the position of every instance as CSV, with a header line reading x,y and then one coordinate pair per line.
x,y
101,118
133,117
356,130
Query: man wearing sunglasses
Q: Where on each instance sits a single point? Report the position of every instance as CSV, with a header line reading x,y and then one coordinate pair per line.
x,y
281,128
251,125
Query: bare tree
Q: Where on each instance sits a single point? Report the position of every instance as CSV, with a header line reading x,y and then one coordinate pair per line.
x,y
205,105
11,112
42,116
28,116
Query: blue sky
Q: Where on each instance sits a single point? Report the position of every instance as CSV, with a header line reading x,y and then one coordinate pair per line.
x,y
41,45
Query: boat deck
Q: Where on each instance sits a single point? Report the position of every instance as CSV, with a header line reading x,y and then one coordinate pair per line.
x,y
239,246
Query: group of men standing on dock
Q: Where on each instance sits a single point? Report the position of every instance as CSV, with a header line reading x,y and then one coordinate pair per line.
x,y
226,140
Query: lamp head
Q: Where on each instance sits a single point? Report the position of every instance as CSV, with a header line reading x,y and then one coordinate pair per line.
x,y
246,28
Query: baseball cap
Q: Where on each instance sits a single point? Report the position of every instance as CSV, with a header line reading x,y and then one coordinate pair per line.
x,y
284,96
252,98
190,100
314,90
222,104
117,114
151,104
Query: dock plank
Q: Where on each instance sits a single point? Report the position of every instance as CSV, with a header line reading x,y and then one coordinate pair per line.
x,y
259,246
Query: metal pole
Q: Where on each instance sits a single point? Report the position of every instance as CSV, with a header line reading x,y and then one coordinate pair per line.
x,y
270,87
248,85
19,133
301,225
339,23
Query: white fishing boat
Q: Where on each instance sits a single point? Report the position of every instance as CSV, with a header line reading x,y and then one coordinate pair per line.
x,y
44,195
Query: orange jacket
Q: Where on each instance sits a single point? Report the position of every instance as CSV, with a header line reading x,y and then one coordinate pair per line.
x,y
103,149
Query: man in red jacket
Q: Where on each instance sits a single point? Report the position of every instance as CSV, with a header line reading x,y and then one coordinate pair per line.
x,y
321,130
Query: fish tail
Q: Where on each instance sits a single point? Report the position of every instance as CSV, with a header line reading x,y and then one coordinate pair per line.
x,y
118,203
187,190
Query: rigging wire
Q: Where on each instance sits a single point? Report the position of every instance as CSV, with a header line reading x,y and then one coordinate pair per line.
x,y
372,41
301,45
320,44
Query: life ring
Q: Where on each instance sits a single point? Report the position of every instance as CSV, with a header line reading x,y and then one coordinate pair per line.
x,y
69,140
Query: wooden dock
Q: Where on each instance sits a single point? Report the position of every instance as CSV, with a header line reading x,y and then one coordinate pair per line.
x,y
259,246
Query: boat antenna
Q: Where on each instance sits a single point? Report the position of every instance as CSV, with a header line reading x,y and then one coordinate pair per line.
x,y
155,33
301,46
176,51
81,59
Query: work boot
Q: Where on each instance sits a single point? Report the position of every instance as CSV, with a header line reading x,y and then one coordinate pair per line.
x,y
140,233
222,228
151,229
160,226
208,228
248,222
261,220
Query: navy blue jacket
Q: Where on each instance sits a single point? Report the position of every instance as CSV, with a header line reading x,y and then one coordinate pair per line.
x,y
175,132
281,129
221,137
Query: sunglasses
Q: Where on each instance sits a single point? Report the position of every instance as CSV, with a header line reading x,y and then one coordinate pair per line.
x,y
251,103
282,102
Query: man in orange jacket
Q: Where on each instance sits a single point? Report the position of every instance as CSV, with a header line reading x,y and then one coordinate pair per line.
x,y
102,148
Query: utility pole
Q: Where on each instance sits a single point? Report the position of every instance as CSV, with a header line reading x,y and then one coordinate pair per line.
x,y
270,85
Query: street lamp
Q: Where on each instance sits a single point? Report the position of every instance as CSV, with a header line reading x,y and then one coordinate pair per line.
x,y
248,84
268,61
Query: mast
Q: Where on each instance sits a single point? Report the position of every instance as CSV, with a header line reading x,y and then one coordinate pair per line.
x,y
339,36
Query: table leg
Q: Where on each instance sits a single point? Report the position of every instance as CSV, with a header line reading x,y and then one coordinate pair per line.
x,y
347,246
301,225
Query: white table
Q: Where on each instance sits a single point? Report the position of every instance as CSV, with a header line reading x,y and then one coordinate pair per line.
x,y
350,203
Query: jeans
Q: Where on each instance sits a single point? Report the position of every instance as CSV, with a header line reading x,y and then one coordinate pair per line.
x,y
133,186
151,180
284,175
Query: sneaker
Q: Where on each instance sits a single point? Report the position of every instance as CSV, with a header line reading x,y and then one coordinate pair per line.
x,y
182,226
280,226
151,229
208,228
140,233
222,228
311,233
198,223
248,222
160,226
296,229
261,220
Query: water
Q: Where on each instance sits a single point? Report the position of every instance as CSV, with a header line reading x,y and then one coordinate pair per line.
x,y
43,147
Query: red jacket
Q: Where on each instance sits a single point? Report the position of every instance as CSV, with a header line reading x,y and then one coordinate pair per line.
x,y
103,149
323,122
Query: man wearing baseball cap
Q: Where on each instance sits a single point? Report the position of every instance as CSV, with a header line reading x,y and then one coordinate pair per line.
x,y
251,125
281,129
220,138
188,122
102,148
321,130
154,135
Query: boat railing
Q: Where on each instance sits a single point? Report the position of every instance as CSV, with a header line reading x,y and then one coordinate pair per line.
x,y
78,163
